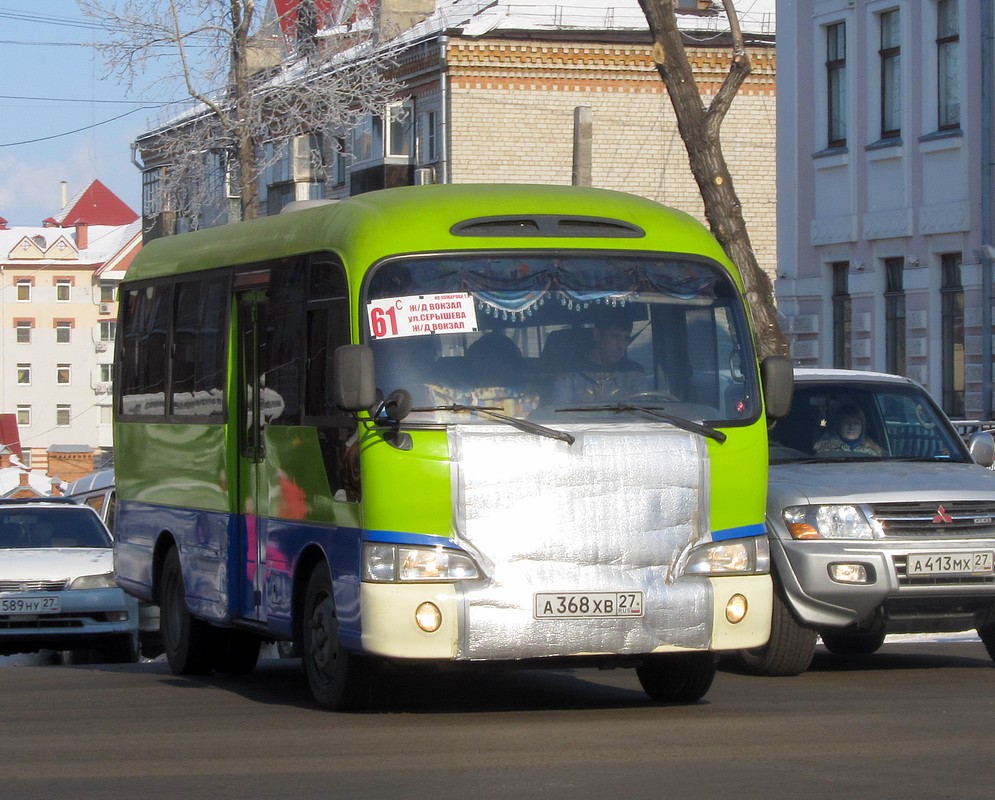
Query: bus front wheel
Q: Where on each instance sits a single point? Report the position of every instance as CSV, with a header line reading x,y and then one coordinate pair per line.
x,y
186,639
339,680
677,677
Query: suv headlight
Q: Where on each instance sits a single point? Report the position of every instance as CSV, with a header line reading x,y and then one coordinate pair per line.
x,y
730,557
827,522
392,563
104,581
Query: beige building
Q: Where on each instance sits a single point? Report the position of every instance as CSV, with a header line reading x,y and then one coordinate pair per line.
x,y
505,92
58,313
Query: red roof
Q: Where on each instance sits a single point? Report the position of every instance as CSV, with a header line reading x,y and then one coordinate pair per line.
x,y
96,205
9,436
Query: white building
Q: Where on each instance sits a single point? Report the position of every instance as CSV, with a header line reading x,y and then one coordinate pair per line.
x,y
884,158
58,310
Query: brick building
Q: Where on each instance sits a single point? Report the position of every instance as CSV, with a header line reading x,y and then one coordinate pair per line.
x,y
500,91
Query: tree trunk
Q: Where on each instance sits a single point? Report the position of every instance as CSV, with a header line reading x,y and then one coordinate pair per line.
x,y
700,129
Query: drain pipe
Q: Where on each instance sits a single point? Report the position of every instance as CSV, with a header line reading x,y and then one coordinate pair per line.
x,y
987,192
443,176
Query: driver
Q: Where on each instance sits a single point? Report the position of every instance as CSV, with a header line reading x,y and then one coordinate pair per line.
x,y
607,374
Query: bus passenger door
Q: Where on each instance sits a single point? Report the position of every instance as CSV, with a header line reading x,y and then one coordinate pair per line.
x,y
252,494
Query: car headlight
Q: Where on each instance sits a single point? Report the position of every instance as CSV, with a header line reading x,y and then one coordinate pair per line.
x,y
103,581
730,557
827,522
391,563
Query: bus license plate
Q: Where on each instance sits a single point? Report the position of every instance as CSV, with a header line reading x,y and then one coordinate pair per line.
x,y
582,605
30,605
979,562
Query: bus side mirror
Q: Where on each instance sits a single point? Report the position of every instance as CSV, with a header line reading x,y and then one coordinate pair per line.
x,y
982,447
778,378
353,382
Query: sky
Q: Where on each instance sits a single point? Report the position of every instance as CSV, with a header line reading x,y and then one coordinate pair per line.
x,y
60,119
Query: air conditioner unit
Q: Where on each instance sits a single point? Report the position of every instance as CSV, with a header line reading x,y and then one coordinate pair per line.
x,y
424,175
105,308
101,347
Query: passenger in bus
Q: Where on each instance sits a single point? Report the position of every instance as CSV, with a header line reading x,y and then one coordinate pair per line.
x,y
848,435
607,374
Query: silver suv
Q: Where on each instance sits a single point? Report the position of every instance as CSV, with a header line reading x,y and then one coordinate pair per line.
x,y
880,521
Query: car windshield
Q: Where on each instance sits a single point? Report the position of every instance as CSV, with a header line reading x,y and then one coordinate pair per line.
x,y
570,337
861,422
27,527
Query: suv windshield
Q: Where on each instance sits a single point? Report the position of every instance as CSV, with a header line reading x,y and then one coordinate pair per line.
x,y
40,527
561,337
863,421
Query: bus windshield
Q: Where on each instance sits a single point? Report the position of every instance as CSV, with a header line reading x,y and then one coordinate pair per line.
x,y
564,337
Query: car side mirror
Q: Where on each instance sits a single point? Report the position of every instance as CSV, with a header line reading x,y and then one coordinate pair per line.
x,y
353,380
982,448
777,376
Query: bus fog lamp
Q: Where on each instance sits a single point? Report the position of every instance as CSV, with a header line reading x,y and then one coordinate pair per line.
x,y
428,617
849,573
736,608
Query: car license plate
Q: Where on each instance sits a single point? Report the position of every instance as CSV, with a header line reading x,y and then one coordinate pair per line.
x,y
582,605
978,562
30,605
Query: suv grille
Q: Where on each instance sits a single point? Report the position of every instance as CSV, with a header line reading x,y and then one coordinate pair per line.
x,y
969,519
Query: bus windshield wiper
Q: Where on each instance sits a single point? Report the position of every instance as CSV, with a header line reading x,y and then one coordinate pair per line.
x,y
495,413
659,413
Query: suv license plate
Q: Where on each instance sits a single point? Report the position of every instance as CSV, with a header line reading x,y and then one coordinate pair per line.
x,y
583,605
978,562
30,605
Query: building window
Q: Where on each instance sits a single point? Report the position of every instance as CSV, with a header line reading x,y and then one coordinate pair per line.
x,y
63,289
63,330
63,416
106,292
106,373
894,303
836,73
24,291
948,64
23,374
23,416
108,329
842,316
891,75
63,374
952,294
23,328
152,204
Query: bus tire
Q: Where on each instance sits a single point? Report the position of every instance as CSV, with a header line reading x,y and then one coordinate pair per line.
x,y
789,650
677,677
852,643
339,680
186,640
237,652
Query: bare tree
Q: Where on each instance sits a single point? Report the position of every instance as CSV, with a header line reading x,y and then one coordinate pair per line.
x,y
700,129
248,90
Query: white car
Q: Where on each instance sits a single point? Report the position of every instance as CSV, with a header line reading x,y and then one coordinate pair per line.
x,y
57,585
880,521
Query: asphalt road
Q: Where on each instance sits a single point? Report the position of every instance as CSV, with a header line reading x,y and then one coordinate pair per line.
x,y
917,720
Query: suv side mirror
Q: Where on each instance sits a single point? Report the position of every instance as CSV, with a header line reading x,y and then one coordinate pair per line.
x,y
777,376
982,447
353,381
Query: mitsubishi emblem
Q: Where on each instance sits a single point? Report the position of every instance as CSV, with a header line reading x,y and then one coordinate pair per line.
x,y
942,515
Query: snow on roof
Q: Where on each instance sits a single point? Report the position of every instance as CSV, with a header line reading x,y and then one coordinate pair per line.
x,y
10,479
104,242
481,17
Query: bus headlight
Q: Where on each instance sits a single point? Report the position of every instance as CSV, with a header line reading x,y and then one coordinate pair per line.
x,y
390,563
730,557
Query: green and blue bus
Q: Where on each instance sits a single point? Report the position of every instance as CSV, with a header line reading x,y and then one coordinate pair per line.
x,y
454,425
